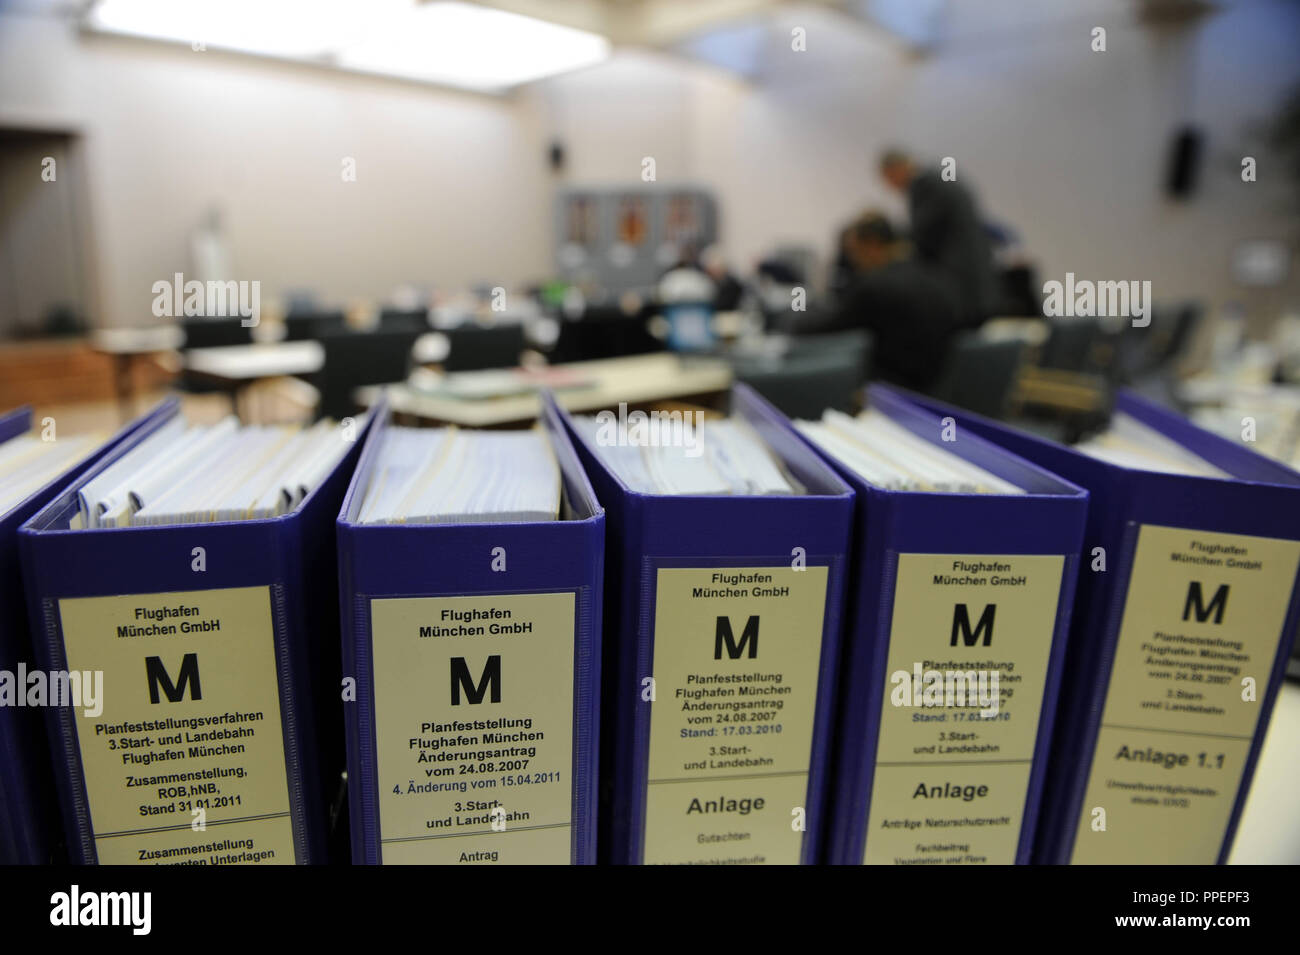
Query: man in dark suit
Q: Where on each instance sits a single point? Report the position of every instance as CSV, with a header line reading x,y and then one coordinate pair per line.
x,y
946,232
909,306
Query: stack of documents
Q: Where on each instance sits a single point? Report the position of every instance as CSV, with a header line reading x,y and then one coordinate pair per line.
x,y
717,456
887,455
452,476
201,474
28,463
1129,443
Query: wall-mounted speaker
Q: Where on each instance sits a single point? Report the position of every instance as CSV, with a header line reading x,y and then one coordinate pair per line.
x,y
1184,162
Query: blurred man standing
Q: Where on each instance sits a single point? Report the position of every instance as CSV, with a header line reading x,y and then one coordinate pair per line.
x,y
946,232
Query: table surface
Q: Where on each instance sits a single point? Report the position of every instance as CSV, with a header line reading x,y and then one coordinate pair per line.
x,y
137,341
1269,832
259,360
635,379
274,359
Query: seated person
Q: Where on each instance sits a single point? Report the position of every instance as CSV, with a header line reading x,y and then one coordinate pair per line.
x,y
910,309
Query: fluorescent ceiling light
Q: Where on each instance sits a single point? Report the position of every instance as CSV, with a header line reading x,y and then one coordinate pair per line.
x,y
296,29
458,44
472,46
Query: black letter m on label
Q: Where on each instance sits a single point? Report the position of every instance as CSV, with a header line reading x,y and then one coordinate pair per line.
x,y
159,679
461,678
961,625
725,636
1196,604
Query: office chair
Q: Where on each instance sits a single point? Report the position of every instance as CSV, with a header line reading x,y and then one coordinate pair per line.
x,y
1019,292
202,332
307,326
1157,348
980,375
353,359
804,384
403,319
474,347
1076,344
604,332
1172,331
856,342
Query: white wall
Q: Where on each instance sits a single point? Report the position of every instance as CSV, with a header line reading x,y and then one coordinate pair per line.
x,y
451,189
1067,146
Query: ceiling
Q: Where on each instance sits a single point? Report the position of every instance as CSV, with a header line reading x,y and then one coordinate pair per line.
x,y
493,46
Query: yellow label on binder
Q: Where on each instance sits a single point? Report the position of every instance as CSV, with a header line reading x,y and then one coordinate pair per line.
x,y
737,652
1197,641
969,645
474,728
184,762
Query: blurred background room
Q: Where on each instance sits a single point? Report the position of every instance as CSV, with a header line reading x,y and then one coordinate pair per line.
x,y
285,207
800,195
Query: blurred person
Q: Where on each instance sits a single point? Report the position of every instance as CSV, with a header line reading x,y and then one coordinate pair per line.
x,y
728,290
689,272
686,280
842,272
685,294
908,305
946,232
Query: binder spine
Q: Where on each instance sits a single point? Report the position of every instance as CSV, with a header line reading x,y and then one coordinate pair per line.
x,y
1045,522
392,563
63,731
361,750
29,823
363,772
1259,501
16,422
251,557
296,758
1081,725
586,723
654,535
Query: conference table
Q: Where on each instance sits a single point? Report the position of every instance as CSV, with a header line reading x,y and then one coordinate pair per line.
x,y
126,346
238,364
233,368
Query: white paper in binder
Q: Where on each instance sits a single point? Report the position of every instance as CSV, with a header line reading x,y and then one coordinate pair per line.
x,y
453,476
722,456
885,454
198,474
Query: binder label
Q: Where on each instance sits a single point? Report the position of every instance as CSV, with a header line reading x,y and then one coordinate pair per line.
x,y
969,645
737,652
185,765
1203,615
474,728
